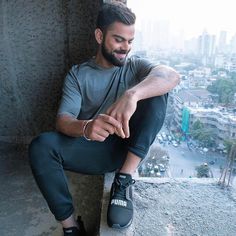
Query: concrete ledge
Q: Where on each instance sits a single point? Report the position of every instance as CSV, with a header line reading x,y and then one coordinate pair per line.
x,y
16,139
166,206
23,209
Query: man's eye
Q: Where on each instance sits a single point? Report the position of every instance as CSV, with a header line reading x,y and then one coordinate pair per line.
x,y
118,40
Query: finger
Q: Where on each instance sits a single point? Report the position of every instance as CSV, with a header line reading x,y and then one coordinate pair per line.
x,y
100,136
120,132
115,123
126,128
108,111
109,128
103,133
111,120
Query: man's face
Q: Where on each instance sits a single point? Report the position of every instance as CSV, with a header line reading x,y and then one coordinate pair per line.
x,y
117,43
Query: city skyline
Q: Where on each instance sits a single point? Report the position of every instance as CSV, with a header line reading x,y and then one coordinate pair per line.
x,y
189,17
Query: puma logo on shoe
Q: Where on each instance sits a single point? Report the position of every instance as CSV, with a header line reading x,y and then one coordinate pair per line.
x,y
120,207
122,176
119,202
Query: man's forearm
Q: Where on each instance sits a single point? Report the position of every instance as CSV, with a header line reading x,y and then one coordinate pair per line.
x,y
70,126
161,80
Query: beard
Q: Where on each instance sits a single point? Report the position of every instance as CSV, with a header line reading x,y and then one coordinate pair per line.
x,y
110,56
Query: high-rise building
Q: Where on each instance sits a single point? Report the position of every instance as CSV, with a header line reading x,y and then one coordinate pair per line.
x,y
156,34
233,44
177,40
222,43
191,46
220,61
206,47
161,34
233,63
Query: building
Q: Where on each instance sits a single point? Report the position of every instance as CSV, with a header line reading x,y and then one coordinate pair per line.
x,y
221,122
222,42
190,106
206,47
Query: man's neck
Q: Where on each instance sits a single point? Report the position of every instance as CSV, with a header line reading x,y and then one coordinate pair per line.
x,y
101,61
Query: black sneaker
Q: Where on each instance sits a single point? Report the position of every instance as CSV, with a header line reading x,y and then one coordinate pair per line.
x,y
120,208
74,231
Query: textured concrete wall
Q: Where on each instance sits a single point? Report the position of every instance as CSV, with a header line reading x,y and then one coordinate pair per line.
x,y
109,1
39,41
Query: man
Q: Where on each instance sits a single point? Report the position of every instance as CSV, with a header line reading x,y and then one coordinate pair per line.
x,y
111,110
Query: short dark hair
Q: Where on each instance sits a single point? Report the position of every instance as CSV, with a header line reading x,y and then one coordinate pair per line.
x,y
114,12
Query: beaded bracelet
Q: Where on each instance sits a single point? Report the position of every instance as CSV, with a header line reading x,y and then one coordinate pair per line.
x,y
84,128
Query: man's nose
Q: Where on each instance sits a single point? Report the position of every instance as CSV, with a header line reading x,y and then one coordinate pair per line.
x,y
126,46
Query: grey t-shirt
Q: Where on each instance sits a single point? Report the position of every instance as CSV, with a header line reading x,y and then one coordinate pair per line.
x,y
90,90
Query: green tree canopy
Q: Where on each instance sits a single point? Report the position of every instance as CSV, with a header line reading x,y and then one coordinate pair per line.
x,y
197,125
228,143
203,135
203,171
225,88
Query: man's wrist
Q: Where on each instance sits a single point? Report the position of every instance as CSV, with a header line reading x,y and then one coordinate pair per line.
x,y
85,125
132,94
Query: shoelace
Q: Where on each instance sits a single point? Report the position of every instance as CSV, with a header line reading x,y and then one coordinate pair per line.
x,y
121,187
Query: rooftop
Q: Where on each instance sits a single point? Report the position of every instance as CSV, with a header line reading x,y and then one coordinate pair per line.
x,y
163,206
174,207
196,95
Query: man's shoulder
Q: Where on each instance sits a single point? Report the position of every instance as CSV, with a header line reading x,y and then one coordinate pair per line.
x,y
134,58
135,61
77,69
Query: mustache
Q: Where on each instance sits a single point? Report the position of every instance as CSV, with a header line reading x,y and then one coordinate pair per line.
x,y
121,51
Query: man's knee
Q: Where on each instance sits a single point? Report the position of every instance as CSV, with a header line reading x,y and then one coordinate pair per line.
x,y
157,106
146,123
150,114
152,107
39,149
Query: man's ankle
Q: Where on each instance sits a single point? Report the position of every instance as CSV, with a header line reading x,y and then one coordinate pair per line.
x,y
75,230
69,222
124,173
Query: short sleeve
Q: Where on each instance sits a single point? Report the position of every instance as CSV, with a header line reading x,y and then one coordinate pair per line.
x,y
142,68
71,97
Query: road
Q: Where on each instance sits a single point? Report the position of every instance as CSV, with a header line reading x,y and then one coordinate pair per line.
x,y
183,161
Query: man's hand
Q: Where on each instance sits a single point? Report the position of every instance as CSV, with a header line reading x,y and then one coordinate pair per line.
x,y
102,126
122,110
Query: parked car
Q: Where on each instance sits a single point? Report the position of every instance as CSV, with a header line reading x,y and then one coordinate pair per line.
x,y
175,144
162,168
211,162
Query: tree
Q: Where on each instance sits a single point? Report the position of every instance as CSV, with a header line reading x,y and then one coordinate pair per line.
x,y
225,88
228,143
203,171
216,71
228,170
233,76
203,135
197,125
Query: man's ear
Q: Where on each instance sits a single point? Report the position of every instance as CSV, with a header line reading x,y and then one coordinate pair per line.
x,y
98,35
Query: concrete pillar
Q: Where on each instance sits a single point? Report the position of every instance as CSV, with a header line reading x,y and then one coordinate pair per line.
x,y
39,41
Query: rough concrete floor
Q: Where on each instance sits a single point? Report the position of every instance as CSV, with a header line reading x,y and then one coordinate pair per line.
x,y
181,207
23,211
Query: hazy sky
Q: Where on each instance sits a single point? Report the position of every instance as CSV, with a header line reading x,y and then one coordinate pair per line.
x,y
192,16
